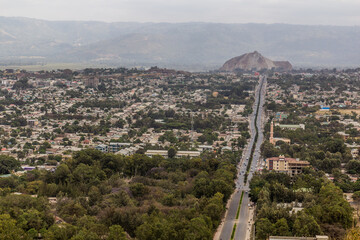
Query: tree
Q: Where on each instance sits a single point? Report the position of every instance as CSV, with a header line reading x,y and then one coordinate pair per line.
x,y
8,228
116,232
333,207
353,166
215,208
85,235
356,196
8,164
119,123
61,173
94,195
200,228
269,150
353,234
281,228
264,228
21,84
335,145
306,226
154,227
32,218
172,152
241,142
138,189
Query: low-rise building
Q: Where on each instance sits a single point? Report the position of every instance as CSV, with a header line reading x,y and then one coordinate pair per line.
x,y
291,126
151,153
187,154
317,237
205,147
344,135
179,154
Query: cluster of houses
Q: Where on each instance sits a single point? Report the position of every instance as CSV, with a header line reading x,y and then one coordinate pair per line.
x,y
52,113
327,104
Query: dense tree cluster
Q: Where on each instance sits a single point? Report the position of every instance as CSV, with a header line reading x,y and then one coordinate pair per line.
x,y
172,120
317,144
325,211
22,84
106,196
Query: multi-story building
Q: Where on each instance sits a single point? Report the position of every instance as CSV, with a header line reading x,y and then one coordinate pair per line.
x,y
289,166
115,146
102,147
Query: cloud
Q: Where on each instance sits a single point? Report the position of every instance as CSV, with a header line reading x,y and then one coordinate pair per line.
x,y
328,12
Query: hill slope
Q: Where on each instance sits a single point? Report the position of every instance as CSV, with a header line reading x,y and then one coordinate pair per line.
x,y
174,45
255,61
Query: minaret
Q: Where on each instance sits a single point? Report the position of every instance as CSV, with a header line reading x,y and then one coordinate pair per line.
x,y
272,132
192,128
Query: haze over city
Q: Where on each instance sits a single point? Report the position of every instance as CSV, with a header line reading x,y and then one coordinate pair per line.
x,y
306,12
180,119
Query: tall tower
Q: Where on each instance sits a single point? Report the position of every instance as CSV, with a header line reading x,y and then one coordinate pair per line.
x,y
272,132
192,127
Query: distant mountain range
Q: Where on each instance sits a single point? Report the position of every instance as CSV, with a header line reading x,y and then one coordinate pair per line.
x,y
254,61
176,45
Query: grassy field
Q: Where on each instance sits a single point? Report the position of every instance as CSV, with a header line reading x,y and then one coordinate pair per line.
x,y
342,111
349,111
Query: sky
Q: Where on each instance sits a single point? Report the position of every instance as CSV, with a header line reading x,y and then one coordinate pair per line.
x,y
307,12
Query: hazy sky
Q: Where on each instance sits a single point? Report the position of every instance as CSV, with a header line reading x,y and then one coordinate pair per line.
x,y
324,12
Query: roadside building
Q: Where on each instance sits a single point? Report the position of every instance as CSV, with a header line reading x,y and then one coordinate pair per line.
x,y
289,166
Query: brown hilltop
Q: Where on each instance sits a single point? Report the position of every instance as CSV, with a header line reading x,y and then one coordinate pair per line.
x,y
254,60
283,65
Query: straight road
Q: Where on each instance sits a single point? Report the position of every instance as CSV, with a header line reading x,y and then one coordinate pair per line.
x,y
230,216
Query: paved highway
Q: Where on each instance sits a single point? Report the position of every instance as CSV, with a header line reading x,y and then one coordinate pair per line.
x,y
230,216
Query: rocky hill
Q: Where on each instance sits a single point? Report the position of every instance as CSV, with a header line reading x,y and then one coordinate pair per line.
x,y
254,61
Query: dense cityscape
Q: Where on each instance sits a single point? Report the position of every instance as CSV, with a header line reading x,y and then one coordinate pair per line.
x,y
117,153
